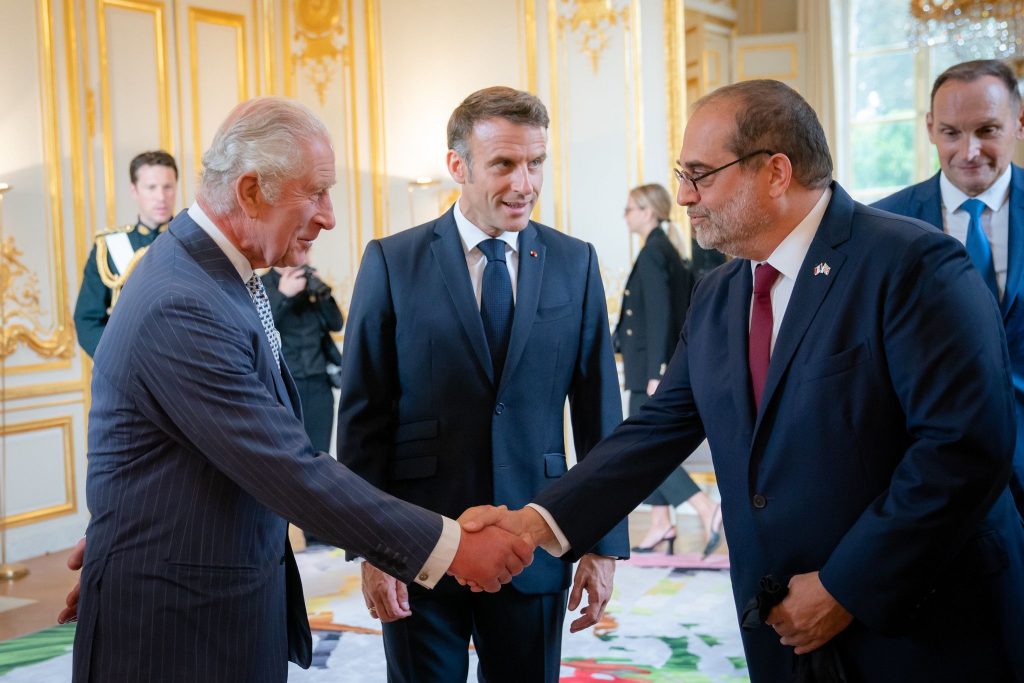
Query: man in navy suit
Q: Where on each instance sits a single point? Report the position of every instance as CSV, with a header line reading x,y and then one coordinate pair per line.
x,y
465,337
197,454
975,122
850,375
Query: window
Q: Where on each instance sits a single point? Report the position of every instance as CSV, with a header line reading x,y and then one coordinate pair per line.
x,y
882,93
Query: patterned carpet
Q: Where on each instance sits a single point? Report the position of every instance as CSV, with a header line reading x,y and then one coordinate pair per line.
x,y
664,624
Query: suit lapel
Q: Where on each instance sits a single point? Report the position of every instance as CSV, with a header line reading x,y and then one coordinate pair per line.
x,y
218,266
1015,258
741,287
451,259
926,203
528,284
809,291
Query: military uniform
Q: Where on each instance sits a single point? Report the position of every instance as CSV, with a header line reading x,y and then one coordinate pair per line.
x,y
101,282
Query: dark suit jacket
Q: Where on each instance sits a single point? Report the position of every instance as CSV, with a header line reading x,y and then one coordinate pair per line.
x,y
654,304
305,322
884,437
196,458
924,201
421,415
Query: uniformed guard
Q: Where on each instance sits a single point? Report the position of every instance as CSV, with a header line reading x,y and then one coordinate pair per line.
x,y
154,185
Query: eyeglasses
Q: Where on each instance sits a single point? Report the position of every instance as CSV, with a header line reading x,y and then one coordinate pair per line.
x,y
682,175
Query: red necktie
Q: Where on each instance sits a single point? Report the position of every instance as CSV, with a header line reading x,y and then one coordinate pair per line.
x,y
760,341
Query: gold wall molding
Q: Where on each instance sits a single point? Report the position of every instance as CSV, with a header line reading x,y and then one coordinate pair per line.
x,y
69,506
591,21
790,50
555,135
156,11
198,16
320,41
48,404
375,94
20,287
674,21
44,389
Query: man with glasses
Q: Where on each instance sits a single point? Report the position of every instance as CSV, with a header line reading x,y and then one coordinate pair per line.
x,y
847,369
975,122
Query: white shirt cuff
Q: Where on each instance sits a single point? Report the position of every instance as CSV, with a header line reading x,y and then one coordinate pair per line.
x,y
442,555
560,546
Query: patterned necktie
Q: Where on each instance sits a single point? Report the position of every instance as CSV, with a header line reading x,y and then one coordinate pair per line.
x,y
977,245
259,297
761,323
496,305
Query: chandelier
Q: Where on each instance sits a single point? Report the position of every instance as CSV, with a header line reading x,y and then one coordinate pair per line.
x,y
975,29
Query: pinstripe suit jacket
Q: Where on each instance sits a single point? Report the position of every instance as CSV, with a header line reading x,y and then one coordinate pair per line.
x,y
197,457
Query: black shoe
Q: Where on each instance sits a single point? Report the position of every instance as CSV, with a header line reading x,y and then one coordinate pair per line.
x,y
670,542
715,539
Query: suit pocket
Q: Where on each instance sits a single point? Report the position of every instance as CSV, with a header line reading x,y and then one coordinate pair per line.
x,y
836,363
416,431
554,465
549,313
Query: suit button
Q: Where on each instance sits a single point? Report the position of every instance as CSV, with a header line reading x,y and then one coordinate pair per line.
x,y
499,409
629,311
759,501
626,292
629,333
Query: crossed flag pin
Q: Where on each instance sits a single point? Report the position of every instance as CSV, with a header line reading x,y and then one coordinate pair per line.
x,y
822,269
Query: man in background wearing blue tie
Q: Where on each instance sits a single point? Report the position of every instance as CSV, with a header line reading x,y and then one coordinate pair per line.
x,y
465,337
978,197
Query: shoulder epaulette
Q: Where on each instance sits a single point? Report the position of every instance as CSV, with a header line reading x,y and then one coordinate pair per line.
x,y
113,231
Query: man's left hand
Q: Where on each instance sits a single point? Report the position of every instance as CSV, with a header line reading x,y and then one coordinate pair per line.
x,y
594,574
809,616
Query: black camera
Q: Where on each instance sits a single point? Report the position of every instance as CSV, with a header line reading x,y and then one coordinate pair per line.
x,y
315,287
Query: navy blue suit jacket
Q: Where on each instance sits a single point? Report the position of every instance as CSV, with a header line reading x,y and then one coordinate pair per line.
x,y
422,416
924,201
884,437
197,456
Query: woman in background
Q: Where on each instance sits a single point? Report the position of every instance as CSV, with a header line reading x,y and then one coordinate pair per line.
x,y
654,305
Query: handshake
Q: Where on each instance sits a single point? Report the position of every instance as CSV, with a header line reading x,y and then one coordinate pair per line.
x,y
496,544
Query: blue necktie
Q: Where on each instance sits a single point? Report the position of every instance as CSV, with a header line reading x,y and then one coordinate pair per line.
x,y
977,245
496,305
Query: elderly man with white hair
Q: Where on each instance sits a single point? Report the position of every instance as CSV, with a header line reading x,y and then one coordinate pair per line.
x,y
197,454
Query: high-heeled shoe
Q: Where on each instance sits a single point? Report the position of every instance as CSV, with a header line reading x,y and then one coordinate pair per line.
x,y
669,538
715,537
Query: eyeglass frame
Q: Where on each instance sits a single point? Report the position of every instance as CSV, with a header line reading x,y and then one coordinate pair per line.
x,y
682,175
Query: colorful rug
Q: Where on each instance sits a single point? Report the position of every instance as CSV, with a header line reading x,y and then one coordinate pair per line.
x,y
663,625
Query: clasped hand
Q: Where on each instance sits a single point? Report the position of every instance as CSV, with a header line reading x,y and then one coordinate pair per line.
x,y
492,549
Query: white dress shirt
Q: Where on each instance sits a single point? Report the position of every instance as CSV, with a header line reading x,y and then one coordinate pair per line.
x,y
787,258
995,221
476,261
444,551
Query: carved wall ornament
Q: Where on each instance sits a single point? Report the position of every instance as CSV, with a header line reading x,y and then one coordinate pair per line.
x,y
320,41
591,20
21,310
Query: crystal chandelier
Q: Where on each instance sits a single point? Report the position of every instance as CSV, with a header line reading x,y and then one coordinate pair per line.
x,y
976,29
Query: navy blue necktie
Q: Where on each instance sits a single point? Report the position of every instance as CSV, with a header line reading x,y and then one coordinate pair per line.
x,y
977,245
496,306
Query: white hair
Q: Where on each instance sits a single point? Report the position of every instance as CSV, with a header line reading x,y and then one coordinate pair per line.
x,y
266,136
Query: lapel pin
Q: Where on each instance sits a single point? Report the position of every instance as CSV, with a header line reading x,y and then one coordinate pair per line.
x,y
533,253
822,269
